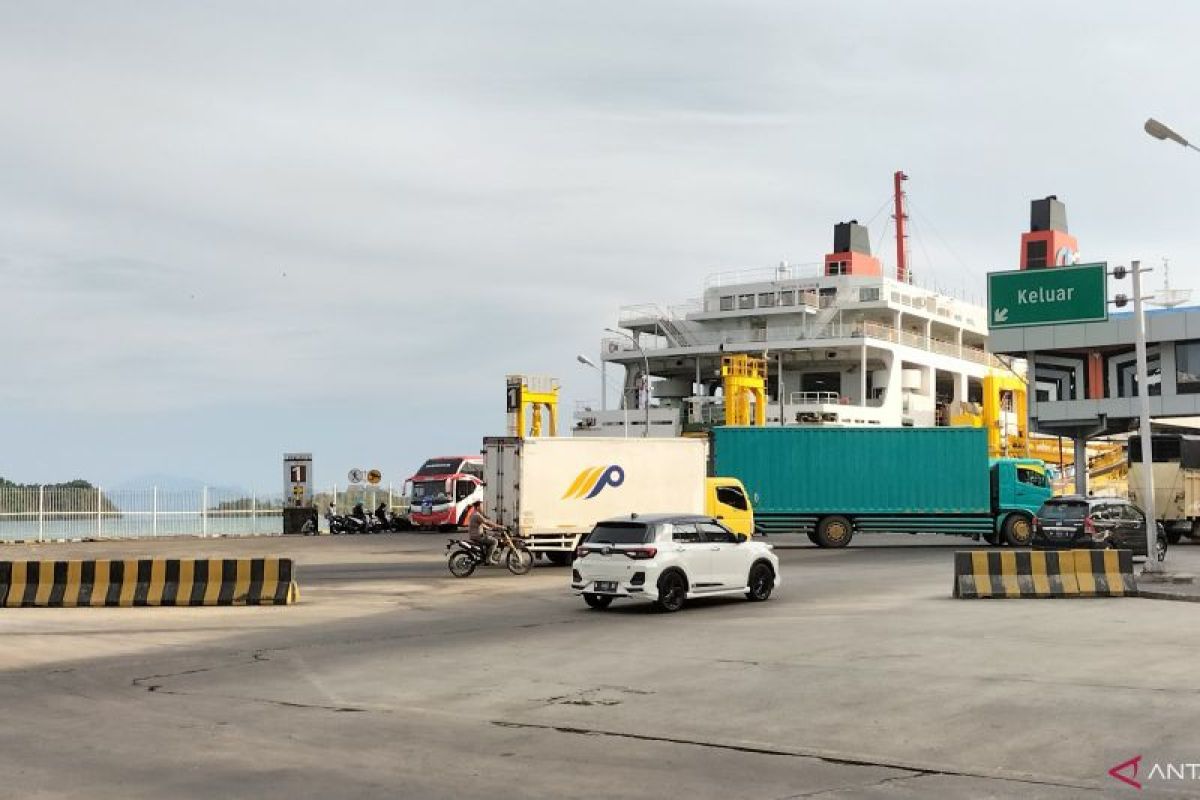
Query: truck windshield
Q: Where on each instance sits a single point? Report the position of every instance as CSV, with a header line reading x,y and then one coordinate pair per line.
x,y
1063,512
619,533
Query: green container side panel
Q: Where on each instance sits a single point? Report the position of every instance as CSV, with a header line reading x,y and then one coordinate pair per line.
x,y
799,470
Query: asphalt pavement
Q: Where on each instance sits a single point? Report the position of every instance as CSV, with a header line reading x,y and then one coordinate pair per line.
x,y
861,678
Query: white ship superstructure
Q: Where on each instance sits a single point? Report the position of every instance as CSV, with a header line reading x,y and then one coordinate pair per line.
x,y
844,345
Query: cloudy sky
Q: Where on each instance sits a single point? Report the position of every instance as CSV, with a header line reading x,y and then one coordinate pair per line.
x,y
233,229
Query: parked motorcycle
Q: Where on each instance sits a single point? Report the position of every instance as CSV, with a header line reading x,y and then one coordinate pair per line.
x,y
342,523
511,551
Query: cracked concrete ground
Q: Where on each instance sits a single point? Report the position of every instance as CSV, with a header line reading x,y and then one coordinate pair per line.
x,y
860,679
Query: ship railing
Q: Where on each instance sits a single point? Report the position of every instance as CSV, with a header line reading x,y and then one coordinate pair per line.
x,y
783,272
867,330
815,398
655,311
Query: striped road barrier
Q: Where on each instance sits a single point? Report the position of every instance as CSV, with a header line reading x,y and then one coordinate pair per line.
x,y
1044,573
148,582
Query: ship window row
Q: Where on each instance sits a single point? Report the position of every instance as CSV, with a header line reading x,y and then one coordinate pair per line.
x,y
742,302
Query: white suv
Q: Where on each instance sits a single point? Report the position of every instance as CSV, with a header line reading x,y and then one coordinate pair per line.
x,y
668,558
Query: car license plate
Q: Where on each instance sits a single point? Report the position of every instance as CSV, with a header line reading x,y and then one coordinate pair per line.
x,y
606,586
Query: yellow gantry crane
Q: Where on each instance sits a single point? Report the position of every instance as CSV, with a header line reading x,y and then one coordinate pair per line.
x,y
744,380
527,397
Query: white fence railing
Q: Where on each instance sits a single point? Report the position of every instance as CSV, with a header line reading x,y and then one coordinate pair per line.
x,y
46,513
40,513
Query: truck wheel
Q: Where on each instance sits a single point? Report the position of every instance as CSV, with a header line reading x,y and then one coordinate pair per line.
x,y
834,531
992,538
1174,536
560,559
812,537
1017,530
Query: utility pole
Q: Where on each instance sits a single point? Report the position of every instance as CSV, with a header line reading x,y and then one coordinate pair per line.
x,y
1143,382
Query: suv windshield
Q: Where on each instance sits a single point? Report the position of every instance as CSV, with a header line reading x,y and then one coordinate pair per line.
x,y
1063,512
619,533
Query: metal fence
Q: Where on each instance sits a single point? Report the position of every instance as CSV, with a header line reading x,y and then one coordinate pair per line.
x,y
41,513
49,513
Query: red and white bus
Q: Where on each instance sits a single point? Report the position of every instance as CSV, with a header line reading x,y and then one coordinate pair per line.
x,y
442,491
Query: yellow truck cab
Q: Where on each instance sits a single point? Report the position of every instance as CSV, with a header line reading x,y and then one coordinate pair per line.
x,y
726,499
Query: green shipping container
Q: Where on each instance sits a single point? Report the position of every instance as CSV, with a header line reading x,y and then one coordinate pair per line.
x,y
812,471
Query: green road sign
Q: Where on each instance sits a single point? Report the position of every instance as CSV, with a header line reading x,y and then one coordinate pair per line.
x,y
1048,296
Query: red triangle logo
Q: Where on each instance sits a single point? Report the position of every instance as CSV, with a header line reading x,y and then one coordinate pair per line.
x,y
1130,767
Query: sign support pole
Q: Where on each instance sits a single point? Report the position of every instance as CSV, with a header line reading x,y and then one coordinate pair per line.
x,y
1143,380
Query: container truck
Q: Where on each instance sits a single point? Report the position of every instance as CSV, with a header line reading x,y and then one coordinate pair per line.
x,y
551,491
1176,469
830,483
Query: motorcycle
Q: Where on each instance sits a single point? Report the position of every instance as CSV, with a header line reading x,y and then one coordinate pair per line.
x,y
341,523
465,555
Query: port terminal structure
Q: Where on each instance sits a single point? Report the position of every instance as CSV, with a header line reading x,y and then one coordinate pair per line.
x,y
1082,375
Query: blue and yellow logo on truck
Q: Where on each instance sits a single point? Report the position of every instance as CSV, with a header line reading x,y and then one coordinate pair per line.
x,y
593,480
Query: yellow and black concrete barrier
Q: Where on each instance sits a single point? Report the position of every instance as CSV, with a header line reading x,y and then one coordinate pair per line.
x,y
148,582
1044,573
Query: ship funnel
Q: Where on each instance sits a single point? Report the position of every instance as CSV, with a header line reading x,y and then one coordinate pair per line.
x,y
1047,243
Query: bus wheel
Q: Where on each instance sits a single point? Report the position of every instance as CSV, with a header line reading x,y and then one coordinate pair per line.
x,y
1017,530
834,531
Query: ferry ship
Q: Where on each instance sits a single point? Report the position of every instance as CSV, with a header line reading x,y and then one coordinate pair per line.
x,y
844,345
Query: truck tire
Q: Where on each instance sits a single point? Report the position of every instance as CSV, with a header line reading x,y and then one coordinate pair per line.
x,y
992,538
812,537
560,559
1018,530
1174,536
835,531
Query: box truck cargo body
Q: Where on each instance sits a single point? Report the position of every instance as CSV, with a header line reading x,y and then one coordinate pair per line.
x,y
551,491
832,482
1176,469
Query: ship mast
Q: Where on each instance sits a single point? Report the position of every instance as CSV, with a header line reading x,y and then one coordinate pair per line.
x,y
901,217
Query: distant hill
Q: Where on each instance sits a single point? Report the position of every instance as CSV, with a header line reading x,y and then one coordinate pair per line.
x,y
161,480
26,502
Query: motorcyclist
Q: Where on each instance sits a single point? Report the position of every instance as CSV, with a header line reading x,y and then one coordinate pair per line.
x,y
359,515
478,526
381,515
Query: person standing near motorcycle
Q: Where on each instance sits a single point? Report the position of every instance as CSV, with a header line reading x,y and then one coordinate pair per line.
x,y
478,526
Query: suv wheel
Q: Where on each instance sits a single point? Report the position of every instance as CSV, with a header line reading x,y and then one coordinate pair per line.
x,y
672,591
599,601
760,583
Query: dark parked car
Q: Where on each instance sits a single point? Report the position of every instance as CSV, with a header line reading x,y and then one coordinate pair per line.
x,y
1093,523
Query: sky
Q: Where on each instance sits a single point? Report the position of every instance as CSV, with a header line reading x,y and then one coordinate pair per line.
x,y
234,229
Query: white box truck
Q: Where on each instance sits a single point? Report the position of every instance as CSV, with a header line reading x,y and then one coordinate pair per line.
x,y
551,491
1176,471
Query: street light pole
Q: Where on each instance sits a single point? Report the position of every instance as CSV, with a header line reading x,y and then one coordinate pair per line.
x,y
645,374
1143,383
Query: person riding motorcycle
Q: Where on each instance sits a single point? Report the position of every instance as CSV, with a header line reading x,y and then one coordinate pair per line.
x,y
478,526
382,517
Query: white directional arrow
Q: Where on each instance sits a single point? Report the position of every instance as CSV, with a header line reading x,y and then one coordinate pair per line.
x,y
1000,315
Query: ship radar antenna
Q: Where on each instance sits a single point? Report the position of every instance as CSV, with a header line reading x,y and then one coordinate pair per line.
x,y
1168,297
